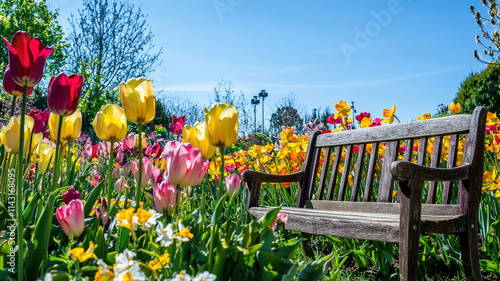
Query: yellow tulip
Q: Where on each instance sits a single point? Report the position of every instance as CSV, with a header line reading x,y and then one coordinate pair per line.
x,y
12,134
138,100
42,154
197,137
35,139
2,135
110,124
455,108
71,127
222,124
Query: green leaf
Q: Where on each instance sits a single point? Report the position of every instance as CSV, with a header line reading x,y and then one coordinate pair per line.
x,y
315,270
124,239
269,218
92,197
288,251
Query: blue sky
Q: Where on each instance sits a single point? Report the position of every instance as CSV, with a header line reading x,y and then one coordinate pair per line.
x,y
376,53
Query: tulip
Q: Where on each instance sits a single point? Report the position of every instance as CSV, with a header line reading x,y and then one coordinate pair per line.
x,y
110,123
64,93
44,153
41,119
71,194
71,217
120,184
11,87
2,135
222,124
177,124
104,219
197,137
12,133
147,170
165,196
138,100
71,127
27,58
232,183
185,165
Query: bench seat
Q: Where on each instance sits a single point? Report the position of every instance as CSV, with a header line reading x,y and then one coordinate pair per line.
x,y
361,224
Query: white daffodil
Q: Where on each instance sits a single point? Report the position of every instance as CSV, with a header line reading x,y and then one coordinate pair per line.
x,y
205,276
165,235
152,220
181,277
126,268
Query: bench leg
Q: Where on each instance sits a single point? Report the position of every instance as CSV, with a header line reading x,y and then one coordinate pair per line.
x,y
470,254
408,259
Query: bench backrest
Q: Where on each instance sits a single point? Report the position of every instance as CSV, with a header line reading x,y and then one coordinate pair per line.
x,y
366,175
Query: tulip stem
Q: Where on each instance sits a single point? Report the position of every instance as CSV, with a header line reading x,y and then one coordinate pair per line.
x,y
13,106
19,191
222,168
110,171
68,163
56,164
139,164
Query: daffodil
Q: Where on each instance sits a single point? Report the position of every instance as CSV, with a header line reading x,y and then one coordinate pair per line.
x,y
342,109
82,255
159,264
455,108
389,115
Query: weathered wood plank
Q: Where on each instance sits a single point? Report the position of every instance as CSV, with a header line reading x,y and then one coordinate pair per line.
x,y
370,173
402,170
324,173
456,124
386,180
358,173
436,159
313,172
408,156
345,173
379,207
452,159
333,175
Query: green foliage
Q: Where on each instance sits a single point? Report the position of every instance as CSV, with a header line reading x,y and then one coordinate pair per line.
x,y
480,89
39,21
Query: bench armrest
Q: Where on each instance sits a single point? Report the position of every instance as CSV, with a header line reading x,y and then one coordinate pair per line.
x,y
251,175
255,179
404,170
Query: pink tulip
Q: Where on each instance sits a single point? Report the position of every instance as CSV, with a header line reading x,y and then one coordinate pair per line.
x,y
185,165
147,170
283,217
157,175
177,124
165,196
232,183
71,217
120,184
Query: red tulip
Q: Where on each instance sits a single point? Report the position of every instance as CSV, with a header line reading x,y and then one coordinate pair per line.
x,y
64,93
70,195
334,121
26,58
362,115
177,124
11,87
41,120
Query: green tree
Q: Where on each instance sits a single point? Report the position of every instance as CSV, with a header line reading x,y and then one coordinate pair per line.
x,y
110,42
286,114
481,88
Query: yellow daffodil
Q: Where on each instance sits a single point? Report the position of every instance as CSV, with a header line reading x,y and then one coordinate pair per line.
x,y
138,100
342,109
389,115
425,116
365,122
455,108
222,124
197,137
70,130
82,255
110,123
157,265
12,132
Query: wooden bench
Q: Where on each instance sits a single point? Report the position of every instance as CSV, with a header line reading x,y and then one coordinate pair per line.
x,y
367,209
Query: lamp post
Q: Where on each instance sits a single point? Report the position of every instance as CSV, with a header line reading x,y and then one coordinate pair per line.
x,y
353,114
255,102
263,94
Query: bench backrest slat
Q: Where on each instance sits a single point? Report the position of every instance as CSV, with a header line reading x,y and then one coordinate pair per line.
x,y
436,159
345,173
370,173
386,181
324,173
456,124
335,169
358,174
452,161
